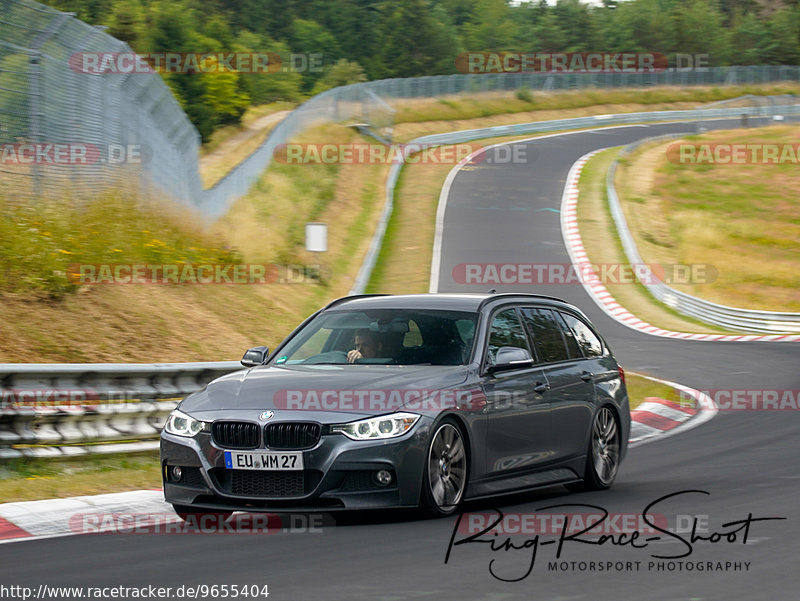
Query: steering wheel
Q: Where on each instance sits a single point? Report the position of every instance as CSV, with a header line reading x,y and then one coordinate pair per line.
x,y
327,357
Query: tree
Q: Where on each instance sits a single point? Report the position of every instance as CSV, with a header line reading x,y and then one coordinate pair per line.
x,y
699,30
272,86
415,39
127,23
309,37
343,73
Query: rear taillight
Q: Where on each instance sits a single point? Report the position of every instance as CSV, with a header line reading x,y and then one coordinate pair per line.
x,y
621,373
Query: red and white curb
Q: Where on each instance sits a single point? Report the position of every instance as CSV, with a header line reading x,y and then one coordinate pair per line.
x,y
600,294
659,417
53,518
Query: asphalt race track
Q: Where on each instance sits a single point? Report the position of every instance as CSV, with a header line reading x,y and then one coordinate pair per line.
x,y
747,461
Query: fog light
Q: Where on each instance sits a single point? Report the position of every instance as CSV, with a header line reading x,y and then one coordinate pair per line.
x,y
175,472
383,477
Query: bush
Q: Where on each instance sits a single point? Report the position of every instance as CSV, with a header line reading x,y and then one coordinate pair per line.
x,y
524,94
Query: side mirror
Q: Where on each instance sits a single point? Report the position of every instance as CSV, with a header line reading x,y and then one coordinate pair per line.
x,y
255,356
511,357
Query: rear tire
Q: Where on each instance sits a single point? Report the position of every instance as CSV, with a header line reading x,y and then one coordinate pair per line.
x,y
446,468
603,455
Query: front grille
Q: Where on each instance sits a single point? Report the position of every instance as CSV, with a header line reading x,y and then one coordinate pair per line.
x,y
286,436
192,477
235,435
266,484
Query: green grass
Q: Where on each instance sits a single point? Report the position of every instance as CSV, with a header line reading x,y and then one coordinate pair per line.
x,y
39,241
640,388
34,479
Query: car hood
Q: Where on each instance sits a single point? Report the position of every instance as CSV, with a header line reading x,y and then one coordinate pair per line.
x,y
308,392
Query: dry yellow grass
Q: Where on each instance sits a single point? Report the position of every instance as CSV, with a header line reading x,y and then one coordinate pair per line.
x,y
740,220
598,234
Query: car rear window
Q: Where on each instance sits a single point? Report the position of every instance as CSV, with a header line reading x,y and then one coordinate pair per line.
x,y
586,339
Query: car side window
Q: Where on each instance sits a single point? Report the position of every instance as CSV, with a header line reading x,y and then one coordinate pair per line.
x,y
588,340
572,344
506,330
546,334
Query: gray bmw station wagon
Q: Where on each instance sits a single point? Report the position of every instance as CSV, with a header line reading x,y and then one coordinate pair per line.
x,y
427,400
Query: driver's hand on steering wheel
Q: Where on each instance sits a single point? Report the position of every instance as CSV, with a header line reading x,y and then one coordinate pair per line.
x,y
354,355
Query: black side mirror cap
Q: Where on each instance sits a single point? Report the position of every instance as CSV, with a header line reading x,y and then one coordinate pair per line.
x,y
255,356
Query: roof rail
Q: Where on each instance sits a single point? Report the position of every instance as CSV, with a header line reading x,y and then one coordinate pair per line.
x,y
333,303
494,296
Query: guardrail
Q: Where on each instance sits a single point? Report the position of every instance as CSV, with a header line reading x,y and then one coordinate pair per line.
x,y
51,410
734,318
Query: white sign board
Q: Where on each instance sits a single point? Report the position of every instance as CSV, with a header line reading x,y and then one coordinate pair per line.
x,y
317,237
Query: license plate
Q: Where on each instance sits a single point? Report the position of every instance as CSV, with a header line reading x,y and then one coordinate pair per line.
x,y
255,460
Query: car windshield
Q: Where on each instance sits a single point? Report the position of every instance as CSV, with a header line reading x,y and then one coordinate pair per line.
x,y
384,337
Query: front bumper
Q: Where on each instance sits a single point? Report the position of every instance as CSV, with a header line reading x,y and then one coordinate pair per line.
x,y
339,474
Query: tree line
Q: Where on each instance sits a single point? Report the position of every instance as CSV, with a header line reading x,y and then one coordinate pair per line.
x,y
357,40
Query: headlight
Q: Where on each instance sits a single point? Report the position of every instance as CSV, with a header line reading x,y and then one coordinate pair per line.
x,y
180,424
386,426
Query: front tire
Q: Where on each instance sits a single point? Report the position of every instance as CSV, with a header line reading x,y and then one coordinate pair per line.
x,y
603,457
446,469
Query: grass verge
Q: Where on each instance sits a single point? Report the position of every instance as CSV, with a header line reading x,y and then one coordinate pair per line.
x,y
34,479
599,236
741,221
193,322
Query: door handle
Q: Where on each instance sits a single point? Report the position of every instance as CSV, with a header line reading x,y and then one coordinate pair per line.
x,y
541,388
587,376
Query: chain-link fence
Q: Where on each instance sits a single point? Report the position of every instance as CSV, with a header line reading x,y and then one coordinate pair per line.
x,y
62,129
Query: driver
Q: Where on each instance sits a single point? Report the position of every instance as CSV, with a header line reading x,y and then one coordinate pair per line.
x,y
370,345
